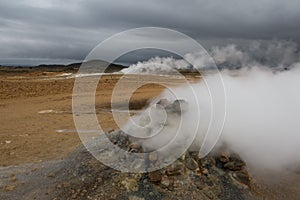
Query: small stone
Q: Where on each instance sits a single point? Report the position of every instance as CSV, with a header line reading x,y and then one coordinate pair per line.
x,y
178,184
208,162
210,192
137,164
7,141
153,156
10,187
204,171
34,169
155,176
51,175
65,185
165,182
135,198
151,194
135,148
109,130
224,156
199,184
99,179
174,169
235,164
242,177
130,184
13,178
177,106
191,164
163,102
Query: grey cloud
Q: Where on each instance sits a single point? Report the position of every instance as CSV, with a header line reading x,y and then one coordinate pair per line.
x,y
70,29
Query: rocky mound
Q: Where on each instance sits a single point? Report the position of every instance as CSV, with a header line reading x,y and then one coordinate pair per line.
x,y
81,176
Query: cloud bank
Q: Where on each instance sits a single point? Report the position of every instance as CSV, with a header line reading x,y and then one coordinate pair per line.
x,y
62,31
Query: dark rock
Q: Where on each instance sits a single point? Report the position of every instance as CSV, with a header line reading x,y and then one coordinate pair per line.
x,y
235,164
177,106
119,138
191,164
163,102
135,148
174,169
155,176
165,182
224,156
242,177
51,175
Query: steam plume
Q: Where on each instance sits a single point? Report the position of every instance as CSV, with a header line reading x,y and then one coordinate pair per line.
x,y
278,55
263,106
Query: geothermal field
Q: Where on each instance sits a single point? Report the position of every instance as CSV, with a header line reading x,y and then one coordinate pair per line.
x,y
149,100
45,156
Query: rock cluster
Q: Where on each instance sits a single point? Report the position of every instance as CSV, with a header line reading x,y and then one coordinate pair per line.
x,y
209,177
222,176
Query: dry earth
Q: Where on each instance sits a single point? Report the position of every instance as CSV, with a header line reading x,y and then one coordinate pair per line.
x,y
27,135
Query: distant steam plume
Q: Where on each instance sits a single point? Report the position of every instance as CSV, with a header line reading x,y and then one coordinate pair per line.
x,y
278,55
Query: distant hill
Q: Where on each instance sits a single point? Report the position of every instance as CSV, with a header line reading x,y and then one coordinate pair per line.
x,y
70,68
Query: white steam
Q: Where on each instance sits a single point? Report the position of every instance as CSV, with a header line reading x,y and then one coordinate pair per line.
x,y
263,117
262,120
278,55
156,65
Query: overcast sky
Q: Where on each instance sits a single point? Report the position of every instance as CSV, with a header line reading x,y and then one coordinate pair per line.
x,y
53,31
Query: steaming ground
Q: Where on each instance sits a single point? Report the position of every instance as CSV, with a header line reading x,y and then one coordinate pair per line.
x,y
262,105
263,113
262,117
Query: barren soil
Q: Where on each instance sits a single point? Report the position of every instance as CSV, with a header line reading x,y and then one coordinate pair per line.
x,y
30,132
